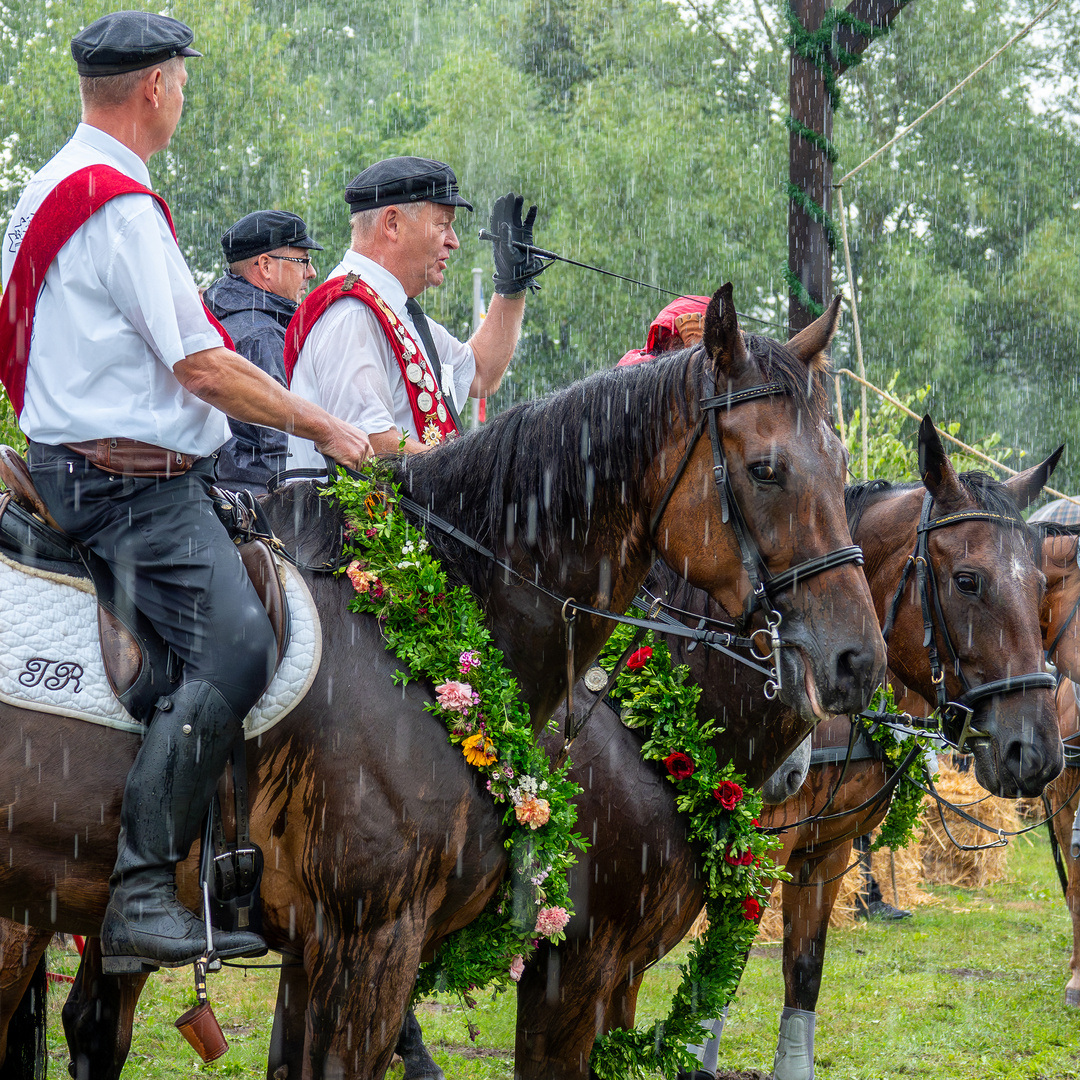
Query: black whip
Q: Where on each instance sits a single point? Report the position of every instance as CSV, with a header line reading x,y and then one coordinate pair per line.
x,y
543,253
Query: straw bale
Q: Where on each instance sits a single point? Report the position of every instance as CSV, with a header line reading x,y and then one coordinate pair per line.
x,y
943,862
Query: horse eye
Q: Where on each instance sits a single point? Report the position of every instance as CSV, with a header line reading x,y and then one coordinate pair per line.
x,y
763,473
969,584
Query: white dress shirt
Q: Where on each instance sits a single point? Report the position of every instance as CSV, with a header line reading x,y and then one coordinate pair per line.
x,y
349,368
117,311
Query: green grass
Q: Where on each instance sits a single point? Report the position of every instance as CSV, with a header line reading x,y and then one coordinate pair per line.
x,y
969,989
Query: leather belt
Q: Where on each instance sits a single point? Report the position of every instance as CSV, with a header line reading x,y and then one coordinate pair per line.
x,y
129,457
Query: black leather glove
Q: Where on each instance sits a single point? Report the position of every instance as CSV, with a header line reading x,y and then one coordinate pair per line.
x,y
515,270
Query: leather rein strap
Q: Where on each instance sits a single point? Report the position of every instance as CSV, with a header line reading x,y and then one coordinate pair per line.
x,y
963,708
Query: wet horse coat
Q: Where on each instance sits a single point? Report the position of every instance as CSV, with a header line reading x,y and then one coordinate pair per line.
x,y
379,840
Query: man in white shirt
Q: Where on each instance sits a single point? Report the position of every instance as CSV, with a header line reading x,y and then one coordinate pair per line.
x,y
403,213
127,387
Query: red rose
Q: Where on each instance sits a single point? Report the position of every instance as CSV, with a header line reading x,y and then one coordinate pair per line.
x,y
751,909
639,659
728,794
680,765
747,859
755,823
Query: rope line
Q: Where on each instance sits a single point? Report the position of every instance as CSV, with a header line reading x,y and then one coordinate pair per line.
x,y
945,435
959,86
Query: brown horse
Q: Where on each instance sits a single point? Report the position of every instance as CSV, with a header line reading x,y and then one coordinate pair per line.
x,y
1060,561
579,492
590,983
836,805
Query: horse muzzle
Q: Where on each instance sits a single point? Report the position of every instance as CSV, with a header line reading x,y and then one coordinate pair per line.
x,y
1018,750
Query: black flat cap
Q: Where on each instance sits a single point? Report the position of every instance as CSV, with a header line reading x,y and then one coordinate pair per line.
x,y
128,41
265,230
403,180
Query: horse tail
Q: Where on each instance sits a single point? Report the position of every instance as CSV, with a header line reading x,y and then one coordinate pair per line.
x,y
26,1049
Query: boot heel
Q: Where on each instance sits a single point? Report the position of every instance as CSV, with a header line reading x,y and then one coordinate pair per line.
x,y
127,965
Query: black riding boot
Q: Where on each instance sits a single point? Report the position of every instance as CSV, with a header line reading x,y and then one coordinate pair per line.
x,y
168,791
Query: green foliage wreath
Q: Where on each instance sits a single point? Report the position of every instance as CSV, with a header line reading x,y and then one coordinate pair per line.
x,y
438,633
654,695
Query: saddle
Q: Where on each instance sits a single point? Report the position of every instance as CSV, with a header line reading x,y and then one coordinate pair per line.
x,y
140,666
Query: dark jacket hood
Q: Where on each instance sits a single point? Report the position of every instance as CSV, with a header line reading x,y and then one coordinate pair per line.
x,y
232,295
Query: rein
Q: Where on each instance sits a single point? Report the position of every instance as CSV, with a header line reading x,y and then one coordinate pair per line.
x,y
963,708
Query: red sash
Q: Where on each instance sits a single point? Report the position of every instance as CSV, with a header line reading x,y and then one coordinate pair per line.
x,y
64,210
431,417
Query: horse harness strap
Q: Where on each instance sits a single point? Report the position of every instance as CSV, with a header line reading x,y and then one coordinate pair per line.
x,y
764,585
963,708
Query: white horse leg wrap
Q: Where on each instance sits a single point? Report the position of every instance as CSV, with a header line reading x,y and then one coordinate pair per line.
x,y
709,1053
795,1049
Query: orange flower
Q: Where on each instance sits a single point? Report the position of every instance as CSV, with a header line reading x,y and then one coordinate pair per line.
x,y
533,812
479,750
373,502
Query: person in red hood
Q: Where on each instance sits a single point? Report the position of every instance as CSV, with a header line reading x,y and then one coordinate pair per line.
x,y
679,325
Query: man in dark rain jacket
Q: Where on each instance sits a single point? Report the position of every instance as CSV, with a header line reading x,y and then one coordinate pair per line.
x,y
268,254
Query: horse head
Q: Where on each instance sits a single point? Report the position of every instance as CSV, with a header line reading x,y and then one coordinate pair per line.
x,y
772,498
963,622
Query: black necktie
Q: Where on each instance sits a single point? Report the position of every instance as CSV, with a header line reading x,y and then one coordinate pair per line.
x,y
420,322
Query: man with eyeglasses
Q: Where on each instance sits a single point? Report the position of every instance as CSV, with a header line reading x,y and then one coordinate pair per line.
x,y
268,254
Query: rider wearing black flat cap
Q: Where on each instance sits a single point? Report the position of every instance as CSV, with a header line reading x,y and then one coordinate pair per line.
x,y
374,358
122,384
268,254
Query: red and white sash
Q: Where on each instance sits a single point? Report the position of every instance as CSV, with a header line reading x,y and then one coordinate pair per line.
x,y
64,210
431,417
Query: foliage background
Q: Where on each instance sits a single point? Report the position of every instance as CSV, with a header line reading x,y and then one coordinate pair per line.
x,y
651,135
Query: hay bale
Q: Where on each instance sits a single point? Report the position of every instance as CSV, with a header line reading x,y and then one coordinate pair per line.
x,y
908,894
943,863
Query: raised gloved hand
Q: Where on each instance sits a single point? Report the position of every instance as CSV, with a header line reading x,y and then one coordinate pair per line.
x,y
515,270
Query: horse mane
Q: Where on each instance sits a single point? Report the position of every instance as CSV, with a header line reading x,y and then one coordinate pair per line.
x,y
988,494
537,473
310,527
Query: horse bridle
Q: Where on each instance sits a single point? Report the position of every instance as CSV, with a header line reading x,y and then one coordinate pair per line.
x,y
963,708
765,586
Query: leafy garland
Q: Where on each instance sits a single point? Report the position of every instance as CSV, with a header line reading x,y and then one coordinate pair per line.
x,y
438,633
905,806
722,816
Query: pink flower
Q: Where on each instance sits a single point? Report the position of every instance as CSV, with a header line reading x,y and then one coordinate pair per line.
x,y
551,920
456,696
468,660
533,812
362,580
370,533
728,794
517,968
639,659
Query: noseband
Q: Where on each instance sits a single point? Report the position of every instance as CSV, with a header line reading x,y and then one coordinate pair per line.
x,y
765,587
963,708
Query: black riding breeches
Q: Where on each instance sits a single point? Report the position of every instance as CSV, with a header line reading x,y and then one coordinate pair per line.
x,y
169,552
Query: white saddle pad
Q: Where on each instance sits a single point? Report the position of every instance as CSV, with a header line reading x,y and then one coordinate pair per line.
x,y
50,652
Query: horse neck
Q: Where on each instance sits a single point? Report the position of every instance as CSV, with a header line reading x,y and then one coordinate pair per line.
x,y
1059,563
886,533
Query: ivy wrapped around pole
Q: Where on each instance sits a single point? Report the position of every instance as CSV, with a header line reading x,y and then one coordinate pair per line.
x,y
821,49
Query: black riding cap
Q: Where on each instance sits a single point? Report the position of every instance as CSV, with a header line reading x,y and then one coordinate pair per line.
x,y
128,41
403,180
265,230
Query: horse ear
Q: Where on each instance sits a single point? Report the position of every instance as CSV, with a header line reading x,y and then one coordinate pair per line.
x,y
935,468
1025,486
722,338
810,343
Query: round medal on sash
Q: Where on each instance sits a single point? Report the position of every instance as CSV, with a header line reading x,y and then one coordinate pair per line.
x,y
440,412
414,373
429,382
424,402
